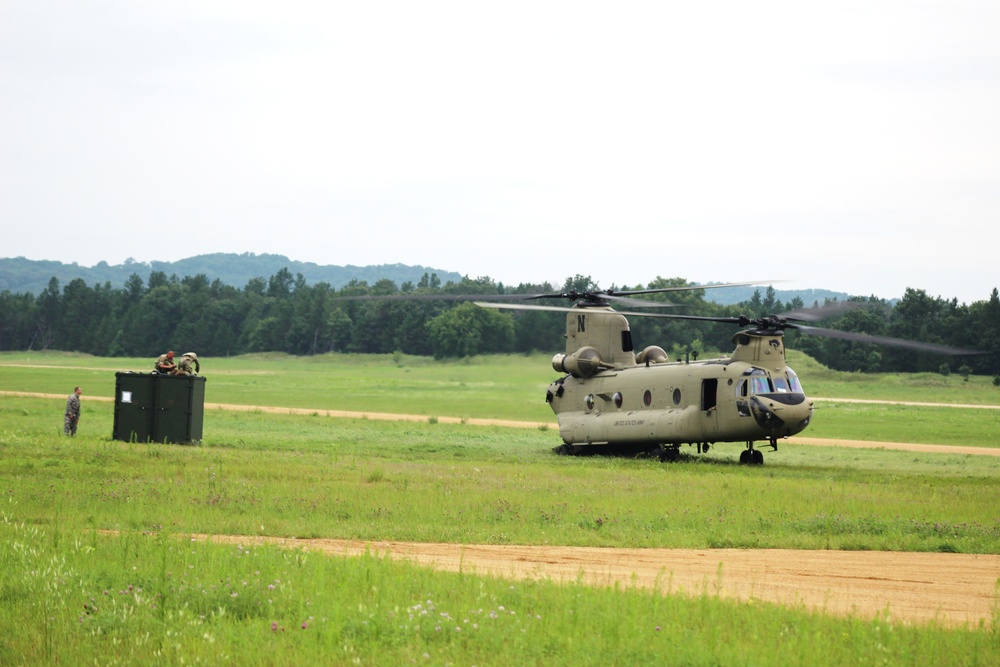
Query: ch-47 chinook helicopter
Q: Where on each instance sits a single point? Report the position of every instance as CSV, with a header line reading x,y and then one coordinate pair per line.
x,y
613,398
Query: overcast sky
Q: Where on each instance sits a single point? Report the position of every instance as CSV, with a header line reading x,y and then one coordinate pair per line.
x,y
852,146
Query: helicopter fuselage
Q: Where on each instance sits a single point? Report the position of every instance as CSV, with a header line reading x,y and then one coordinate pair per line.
x,y
674,403
613,397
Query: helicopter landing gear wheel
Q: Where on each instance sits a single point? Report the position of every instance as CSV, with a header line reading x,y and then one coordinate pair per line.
x,y
751,457
667,454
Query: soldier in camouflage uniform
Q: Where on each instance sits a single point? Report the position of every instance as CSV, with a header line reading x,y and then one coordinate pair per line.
x,y
72,412
188,365
165,363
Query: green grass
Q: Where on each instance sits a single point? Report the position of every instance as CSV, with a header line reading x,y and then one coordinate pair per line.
x,y
70,593
496,387
140,598
290,475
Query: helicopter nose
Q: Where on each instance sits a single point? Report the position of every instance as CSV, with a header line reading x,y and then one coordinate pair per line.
x,y
782,414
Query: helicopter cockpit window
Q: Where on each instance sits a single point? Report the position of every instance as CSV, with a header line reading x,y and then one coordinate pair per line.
x,y
760,383
780,384
793,381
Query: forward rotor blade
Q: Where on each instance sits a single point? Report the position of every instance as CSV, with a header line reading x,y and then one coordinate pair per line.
x,y
437,297
701,318
528,306
638,303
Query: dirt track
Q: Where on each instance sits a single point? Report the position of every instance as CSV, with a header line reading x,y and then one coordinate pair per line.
x,y
952,589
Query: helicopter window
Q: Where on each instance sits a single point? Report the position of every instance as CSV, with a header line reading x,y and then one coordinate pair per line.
x,y
617,399
780,384
793,382
647,398
589,401
677,396
759,384
627,341
741,388
709,389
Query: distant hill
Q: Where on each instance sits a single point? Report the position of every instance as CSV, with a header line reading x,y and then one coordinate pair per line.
x,y
20,275
731,295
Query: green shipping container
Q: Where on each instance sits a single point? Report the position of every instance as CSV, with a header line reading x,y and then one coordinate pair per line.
x,y
150,407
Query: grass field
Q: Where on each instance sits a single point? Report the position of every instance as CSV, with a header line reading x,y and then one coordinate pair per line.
x,y
70,592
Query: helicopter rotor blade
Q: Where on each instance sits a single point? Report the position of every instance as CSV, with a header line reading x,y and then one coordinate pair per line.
x,y
638,303
882,340
822,312
689,288
588,298
528,306
434,297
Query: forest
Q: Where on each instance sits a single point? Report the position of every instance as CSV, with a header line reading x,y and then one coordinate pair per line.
x,y
283,313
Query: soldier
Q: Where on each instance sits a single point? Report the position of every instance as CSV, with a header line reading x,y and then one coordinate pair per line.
x,y
72,412
165,363
184,367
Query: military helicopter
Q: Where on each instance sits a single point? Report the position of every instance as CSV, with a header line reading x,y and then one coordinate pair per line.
x,y
611,398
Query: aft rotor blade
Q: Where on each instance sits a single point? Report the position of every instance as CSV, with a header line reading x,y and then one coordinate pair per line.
x,y
881,340
822,312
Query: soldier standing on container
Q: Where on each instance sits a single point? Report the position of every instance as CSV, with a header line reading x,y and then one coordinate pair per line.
x,y
72,412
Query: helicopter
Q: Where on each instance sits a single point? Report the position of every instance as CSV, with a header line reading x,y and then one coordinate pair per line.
x,y
611,398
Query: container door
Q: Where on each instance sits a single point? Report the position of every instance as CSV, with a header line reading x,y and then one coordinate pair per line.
x,y
173,401
134,407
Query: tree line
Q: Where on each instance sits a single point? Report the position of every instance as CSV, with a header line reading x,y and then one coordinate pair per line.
x,y
283,313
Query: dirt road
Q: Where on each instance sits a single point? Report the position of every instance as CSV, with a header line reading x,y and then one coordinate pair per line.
x,y
950,589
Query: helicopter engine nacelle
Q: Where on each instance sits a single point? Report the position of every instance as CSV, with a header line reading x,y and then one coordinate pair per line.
x,y
654,354
583,363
